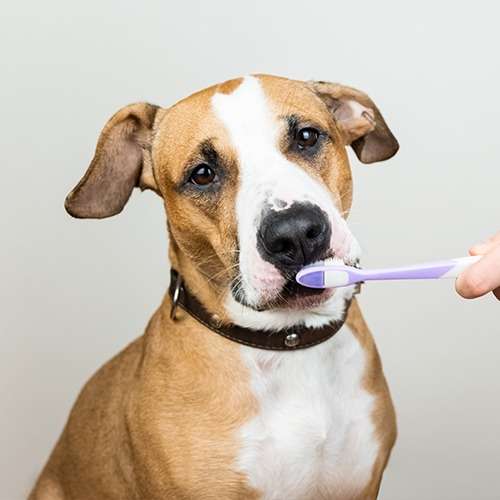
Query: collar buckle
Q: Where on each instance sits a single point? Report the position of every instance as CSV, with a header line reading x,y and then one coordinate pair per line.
x,y
176,294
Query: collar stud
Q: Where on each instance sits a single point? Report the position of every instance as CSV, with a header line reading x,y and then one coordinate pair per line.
x,y
292,340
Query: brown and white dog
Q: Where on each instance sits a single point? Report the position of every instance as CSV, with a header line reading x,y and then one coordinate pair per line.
x,y
256,183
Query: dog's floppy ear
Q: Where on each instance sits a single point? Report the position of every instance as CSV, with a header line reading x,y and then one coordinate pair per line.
x,y
122,161
359,120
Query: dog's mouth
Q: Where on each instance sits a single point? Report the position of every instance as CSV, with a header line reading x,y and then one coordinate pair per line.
x,y
292,295
296,296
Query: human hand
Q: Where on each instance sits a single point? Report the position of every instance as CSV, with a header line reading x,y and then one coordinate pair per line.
x,y
483,276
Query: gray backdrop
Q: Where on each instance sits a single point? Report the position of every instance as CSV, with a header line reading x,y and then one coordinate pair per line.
x,y
73,293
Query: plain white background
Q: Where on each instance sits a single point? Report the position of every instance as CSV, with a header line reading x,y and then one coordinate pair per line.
x,y
73,293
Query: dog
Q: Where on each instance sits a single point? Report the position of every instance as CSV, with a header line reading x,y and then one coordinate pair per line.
x,y
245,385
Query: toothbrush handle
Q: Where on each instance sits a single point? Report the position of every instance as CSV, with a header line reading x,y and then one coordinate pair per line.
x,y
432,270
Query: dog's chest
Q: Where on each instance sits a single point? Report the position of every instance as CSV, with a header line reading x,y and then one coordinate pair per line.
x,y
313,436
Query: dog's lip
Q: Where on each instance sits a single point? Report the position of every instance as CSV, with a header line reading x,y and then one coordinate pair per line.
x,y
297,297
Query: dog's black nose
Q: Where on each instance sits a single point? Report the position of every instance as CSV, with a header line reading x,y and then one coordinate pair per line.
x,y
294,237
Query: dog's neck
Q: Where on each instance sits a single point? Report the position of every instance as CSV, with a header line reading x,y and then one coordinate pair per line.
x,y
291,338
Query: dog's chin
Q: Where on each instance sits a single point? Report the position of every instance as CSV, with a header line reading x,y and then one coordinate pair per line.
x,y
293,297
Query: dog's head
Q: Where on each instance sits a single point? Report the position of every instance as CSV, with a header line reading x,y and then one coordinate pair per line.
x,y
255,179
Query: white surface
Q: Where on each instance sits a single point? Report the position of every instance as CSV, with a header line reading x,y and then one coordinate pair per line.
x,y
73,293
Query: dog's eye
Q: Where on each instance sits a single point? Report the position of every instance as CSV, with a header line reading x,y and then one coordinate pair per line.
x,y
307,138
202,175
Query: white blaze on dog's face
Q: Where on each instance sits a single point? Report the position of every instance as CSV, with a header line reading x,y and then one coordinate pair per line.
x,y
288,203
255,180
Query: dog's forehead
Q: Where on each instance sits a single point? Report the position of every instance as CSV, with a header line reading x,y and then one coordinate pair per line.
x,y
195,119
281,94
291,97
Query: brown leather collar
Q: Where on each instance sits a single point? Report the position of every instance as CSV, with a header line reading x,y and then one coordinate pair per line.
x,y
290,339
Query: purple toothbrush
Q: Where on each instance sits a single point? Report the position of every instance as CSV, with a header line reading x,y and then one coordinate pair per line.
x,y
321,275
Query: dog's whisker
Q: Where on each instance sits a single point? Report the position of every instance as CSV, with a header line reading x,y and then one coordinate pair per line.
x,y
222,272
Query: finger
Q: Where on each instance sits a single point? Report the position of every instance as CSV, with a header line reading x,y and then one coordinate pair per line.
x,y
485,246
482,277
